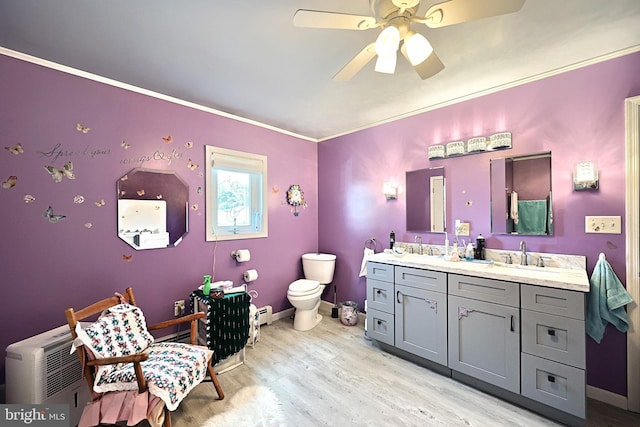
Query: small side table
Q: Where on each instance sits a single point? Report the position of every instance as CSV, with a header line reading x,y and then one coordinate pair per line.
x,y
225,328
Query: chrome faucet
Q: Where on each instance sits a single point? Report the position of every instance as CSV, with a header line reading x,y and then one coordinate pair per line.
x,y
415,240
523,255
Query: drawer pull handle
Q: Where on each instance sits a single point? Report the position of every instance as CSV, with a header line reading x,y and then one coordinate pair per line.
x,y
378,292
513,327
551,332
463,312
379,322
551,378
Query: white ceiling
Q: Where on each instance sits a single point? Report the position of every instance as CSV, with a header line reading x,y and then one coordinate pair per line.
x,y
246,58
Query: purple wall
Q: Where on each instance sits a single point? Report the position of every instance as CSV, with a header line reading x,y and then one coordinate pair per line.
x,y
578,115
47,267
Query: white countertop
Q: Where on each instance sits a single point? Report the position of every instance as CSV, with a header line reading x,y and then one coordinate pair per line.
x,y
553,277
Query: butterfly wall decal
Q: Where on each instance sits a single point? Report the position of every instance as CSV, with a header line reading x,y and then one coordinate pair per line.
x,y
99,203
126,258
57,174
15,150
167,139
81,128
188,144
140,192
125,144
192,165
10,182
28,198
51,216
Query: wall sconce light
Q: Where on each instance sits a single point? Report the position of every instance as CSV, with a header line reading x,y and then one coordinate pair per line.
x,y
390,190
585,176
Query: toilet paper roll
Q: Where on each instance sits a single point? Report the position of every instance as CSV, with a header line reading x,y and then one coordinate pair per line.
x,y
250,275
243,255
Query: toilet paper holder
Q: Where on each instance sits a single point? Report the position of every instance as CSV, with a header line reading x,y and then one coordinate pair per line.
x,y
241,255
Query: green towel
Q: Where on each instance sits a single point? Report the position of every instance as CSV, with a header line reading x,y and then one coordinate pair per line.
x,y
532,217
607,298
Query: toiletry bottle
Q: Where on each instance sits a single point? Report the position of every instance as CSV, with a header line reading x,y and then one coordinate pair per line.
x,y
480,247
446,244
207,285
470,252
392,239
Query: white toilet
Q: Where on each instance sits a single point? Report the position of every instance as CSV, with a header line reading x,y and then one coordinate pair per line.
x,y
304,294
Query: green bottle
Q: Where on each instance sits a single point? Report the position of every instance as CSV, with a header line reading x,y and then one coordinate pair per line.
x,y
207,285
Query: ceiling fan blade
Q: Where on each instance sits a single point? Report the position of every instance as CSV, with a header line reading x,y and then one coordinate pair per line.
x,y
341,21
356,64
458,11
427,68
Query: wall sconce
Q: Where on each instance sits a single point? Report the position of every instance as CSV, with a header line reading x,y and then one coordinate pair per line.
x,y
390,190
585,176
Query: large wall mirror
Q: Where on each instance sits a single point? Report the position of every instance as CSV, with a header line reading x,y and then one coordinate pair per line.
x,y
153,208
426,200
521,201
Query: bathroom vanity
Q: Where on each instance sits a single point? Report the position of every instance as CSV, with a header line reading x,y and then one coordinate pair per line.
x,y
517,332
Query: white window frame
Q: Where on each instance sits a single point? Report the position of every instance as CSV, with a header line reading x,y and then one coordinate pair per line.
x,y
236,161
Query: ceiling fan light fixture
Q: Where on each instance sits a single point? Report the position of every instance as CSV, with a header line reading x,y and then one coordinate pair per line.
x,y
386,63
388,41
418,48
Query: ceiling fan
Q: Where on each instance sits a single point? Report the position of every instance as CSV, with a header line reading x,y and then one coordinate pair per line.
x,y
395,18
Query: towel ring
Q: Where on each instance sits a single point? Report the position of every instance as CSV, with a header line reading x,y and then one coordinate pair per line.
x,y
370,242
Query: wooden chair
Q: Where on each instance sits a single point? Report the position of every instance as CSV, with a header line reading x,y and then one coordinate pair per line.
x,y
91,365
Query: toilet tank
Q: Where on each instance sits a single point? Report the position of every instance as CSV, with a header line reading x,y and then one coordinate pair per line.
x,y
319,267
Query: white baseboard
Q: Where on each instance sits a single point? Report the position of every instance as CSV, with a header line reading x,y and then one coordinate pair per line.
x,y
282,314
608,397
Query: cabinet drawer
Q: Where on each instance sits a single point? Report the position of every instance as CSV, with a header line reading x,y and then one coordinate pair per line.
x,y
494,291
378,271
380,295
554,384
553,301
421,279
380,326
554,337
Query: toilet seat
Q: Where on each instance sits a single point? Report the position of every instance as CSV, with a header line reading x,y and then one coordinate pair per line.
x,y
303,287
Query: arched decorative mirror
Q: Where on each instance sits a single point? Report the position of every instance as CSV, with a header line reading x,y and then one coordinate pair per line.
x,y
152,208
426,200
521,201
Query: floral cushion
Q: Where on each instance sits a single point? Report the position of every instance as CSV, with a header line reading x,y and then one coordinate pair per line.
x,y
171,371
120,331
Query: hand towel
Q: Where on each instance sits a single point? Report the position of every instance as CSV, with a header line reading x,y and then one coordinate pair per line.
x,y
514,207
607,298
532,216
363,268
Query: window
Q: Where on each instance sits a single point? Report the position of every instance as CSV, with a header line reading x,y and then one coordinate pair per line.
x,y
236,194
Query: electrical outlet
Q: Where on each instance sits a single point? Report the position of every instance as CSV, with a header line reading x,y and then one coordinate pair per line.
x,y
603,224
178,308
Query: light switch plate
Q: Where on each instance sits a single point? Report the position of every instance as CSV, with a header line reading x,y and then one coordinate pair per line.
x,y
603,224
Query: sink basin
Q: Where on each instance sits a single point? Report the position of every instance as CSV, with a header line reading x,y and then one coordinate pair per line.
x,y
530,268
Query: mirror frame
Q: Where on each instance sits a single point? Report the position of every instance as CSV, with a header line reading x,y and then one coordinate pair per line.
x,y
522,174
418,203
153,185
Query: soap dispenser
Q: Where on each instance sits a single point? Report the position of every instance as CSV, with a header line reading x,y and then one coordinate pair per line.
x,y
392,239
469,254
480,247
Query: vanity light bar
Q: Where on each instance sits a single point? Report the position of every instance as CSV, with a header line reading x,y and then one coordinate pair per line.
x,y
479,144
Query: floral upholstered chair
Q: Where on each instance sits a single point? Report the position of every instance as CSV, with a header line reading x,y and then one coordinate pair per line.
x,y
131,377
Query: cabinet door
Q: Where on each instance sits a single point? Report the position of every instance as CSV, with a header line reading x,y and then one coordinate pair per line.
x,y
421,323
484,341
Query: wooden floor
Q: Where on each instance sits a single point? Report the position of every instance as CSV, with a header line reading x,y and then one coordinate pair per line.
x,y
332,376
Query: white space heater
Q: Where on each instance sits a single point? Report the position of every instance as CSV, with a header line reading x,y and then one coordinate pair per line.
x,y
40,370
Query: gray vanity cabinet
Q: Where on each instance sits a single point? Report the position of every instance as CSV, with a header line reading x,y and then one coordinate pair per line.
x,y
484,330
380,302
421,313
553,348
